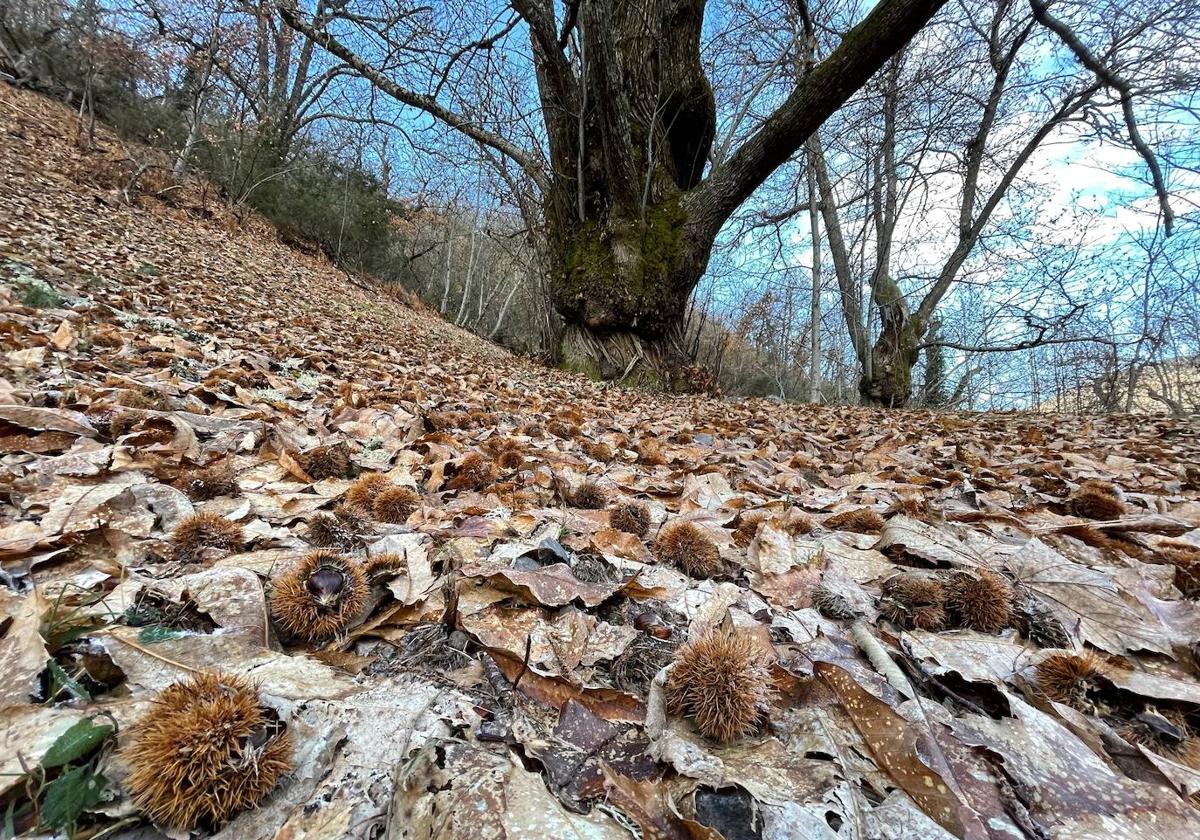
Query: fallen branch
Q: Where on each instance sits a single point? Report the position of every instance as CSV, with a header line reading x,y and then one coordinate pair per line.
x,y
882,662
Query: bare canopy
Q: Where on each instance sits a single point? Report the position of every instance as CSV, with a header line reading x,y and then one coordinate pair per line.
x,y
628,119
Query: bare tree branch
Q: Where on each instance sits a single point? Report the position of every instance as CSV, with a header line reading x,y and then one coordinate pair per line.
x,y
1106,75
865,49
420,101
1039,340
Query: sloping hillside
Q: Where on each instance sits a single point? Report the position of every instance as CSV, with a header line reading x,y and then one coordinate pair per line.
x,y
878,624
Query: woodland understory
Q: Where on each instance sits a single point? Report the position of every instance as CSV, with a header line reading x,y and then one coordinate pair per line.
x,y
382,578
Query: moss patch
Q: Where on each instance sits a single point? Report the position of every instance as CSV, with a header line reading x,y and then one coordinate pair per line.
x,y
624,273
585,367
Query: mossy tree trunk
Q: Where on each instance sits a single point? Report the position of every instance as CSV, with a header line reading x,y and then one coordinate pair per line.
x,y
644,122
888,378
628,208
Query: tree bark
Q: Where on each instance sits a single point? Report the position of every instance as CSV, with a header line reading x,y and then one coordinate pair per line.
x,y
624,267
889,378
814,222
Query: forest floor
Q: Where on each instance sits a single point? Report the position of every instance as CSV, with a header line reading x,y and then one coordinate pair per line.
x,y
911,624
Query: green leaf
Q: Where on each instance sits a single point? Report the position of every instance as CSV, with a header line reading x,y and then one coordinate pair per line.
x,y
155,633
72,793
69,628
80,739
61,681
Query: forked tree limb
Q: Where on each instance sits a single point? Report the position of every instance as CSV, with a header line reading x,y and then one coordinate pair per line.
x,y
1041,13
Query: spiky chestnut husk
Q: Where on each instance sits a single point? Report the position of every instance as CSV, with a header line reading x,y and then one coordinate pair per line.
x,y
475,472
140,400
441,421
504,490
531,430
592,569
1166,732
1069,678
499,445
388,563
202,532
796,522
1191,477
858,520
340,529
832,605
122,423
980,599
589,495
641,660
208,483
205,751
526,499
686,547
909,506
1097,500
1095,538
630,517
914,602
318,597
363,492
1185,557
323,462
649,452
395,504
563,429
722,683
510,459
597,449
1040,626
746,528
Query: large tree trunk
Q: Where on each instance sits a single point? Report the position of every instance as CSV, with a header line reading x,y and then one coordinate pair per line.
x,y
626,257
895,352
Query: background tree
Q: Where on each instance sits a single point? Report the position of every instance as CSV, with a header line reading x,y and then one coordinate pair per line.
x,y
922,176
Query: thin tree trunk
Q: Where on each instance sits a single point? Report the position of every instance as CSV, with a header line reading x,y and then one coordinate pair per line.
x,y
449,253
814,372
504,309
471,255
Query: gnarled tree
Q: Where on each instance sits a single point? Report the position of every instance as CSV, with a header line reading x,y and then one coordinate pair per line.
x,y
630,201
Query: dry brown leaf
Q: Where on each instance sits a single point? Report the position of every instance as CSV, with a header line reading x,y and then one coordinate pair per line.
x,y
48,419
23,652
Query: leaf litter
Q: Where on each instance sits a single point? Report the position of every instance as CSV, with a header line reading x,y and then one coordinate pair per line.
x,y
502,671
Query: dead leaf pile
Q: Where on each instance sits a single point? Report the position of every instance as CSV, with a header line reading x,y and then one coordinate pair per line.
x,y
504,677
